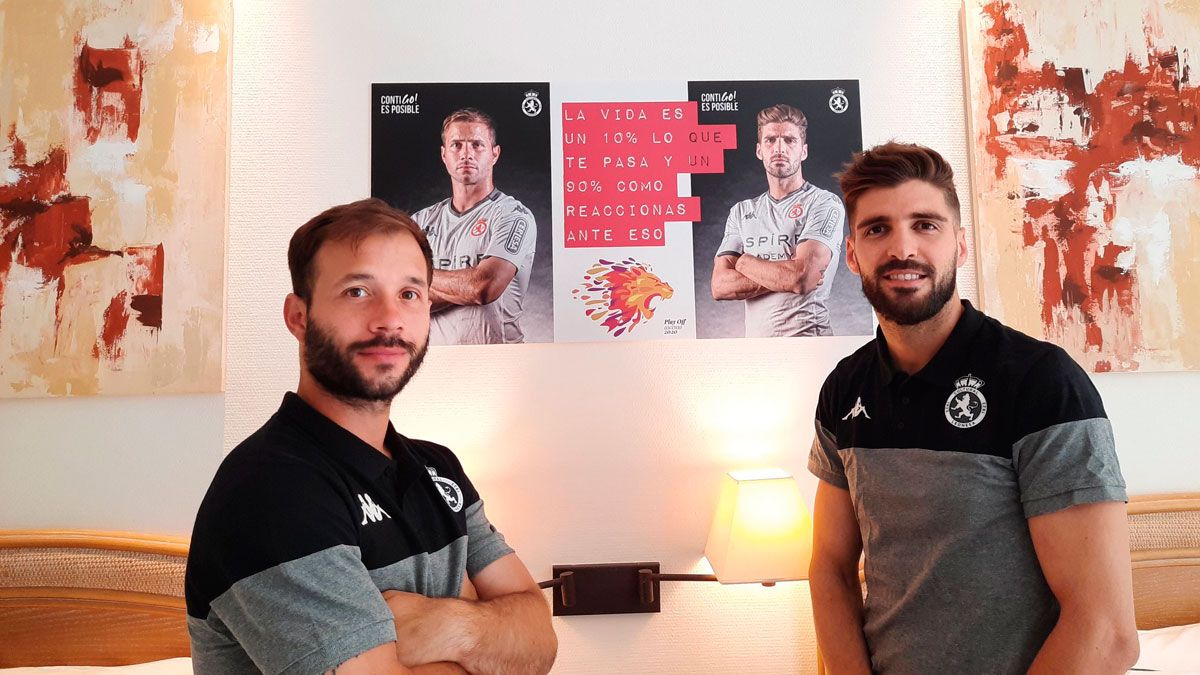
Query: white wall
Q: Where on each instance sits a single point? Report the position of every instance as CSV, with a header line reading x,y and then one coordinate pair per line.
x,y
585,453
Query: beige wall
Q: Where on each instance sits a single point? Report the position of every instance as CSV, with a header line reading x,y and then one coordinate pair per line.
x,y
612,480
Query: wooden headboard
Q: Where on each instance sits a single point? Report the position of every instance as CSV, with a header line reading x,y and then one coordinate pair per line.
x,y
90,598
114,598
1164,543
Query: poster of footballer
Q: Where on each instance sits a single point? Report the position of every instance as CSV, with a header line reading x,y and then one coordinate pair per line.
x,y
769,251
471,163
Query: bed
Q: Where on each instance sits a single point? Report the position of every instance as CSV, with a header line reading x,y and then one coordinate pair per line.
x,y
114,599
1164,544
92,599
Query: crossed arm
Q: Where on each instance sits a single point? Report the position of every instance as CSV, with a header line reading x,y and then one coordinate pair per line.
x,y
500,625
729,284
478,285
746,276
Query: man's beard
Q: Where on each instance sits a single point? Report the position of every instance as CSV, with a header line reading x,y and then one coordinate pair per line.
x,y
334,368
786,171
907,310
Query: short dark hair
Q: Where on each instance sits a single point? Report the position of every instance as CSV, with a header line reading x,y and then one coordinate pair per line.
x,y
782,112
891,164
469,115
351,222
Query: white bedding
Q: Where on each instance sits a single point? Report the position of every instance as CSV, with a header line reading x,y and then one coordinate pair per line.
x,y
1174,650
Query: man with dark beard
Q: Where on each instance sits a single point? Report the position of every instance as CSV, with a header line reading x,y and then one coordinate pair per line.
x,y
327,541
973,465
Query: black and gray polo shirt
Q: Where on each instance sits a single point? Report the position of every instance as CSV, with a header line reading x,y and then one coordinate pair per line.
x,y
943,468
302,528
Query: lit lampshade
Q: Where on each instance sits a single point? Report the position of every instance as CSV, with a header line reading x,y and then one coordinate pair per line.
x,y
762,531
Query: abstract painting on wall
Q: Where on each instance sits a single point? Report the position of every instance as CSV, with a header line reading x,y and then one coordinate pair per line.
x,y
1085,138
114,128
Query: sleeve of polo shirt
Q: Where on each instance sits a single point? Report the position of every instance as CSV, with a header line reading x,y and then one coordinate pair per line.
x,y
731,243
485,544
301,600
824,461
1064,453
515,238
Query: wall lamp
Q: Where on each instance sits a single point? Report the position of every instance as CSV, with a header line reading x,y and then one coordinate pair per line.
x,y
761,533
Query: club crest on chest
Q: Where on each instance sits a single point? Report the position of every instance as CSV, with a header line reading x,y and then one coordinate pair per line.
x,y
449,489
966,406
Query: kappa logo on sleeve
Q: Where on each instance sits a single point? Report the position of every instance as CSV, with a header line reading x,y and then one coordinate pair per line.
x,y
516,236
832,222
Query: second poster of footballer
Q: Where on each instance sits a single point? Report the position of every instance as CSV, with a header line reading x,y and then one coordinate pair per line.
x,y
471,163
769,253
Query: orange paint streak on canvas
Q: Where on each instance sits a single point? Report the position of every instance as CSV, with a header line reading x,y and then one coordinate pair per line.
x,y
146,276
108,89
36,185
45,226
1134,114
116,322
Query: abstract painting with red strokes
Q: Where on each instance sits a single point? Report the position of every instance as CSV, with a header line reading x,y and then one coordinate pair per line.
x,y
114,123
1086,175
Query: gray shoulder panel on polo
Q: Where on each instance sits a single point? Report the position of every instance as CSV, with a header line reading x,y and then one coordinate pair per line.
x,y
304,616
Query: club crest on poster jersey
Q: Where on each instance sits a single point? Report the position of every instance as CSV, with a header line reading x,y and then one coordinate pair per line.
x,y
449,489
619,295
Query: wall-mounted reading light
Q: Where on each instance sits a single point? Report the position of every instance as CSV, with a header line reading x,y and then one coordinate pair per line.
x,y
761,533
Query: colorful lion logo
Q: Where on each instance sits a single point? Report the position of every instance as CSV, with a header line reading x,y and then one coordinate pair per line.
x,y
618,295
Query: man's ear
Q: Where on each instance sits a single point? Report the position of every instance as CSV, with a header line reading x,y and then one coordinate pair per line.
x,y
295,315
495,153
851,260
962,245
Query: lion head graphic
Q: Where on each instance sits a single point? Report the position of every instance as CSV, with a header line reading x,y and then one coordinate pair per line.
x,y
618,295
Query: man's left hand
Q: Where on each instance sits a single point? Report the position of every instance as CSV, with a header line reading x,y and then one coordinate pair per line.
x,y
426,628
